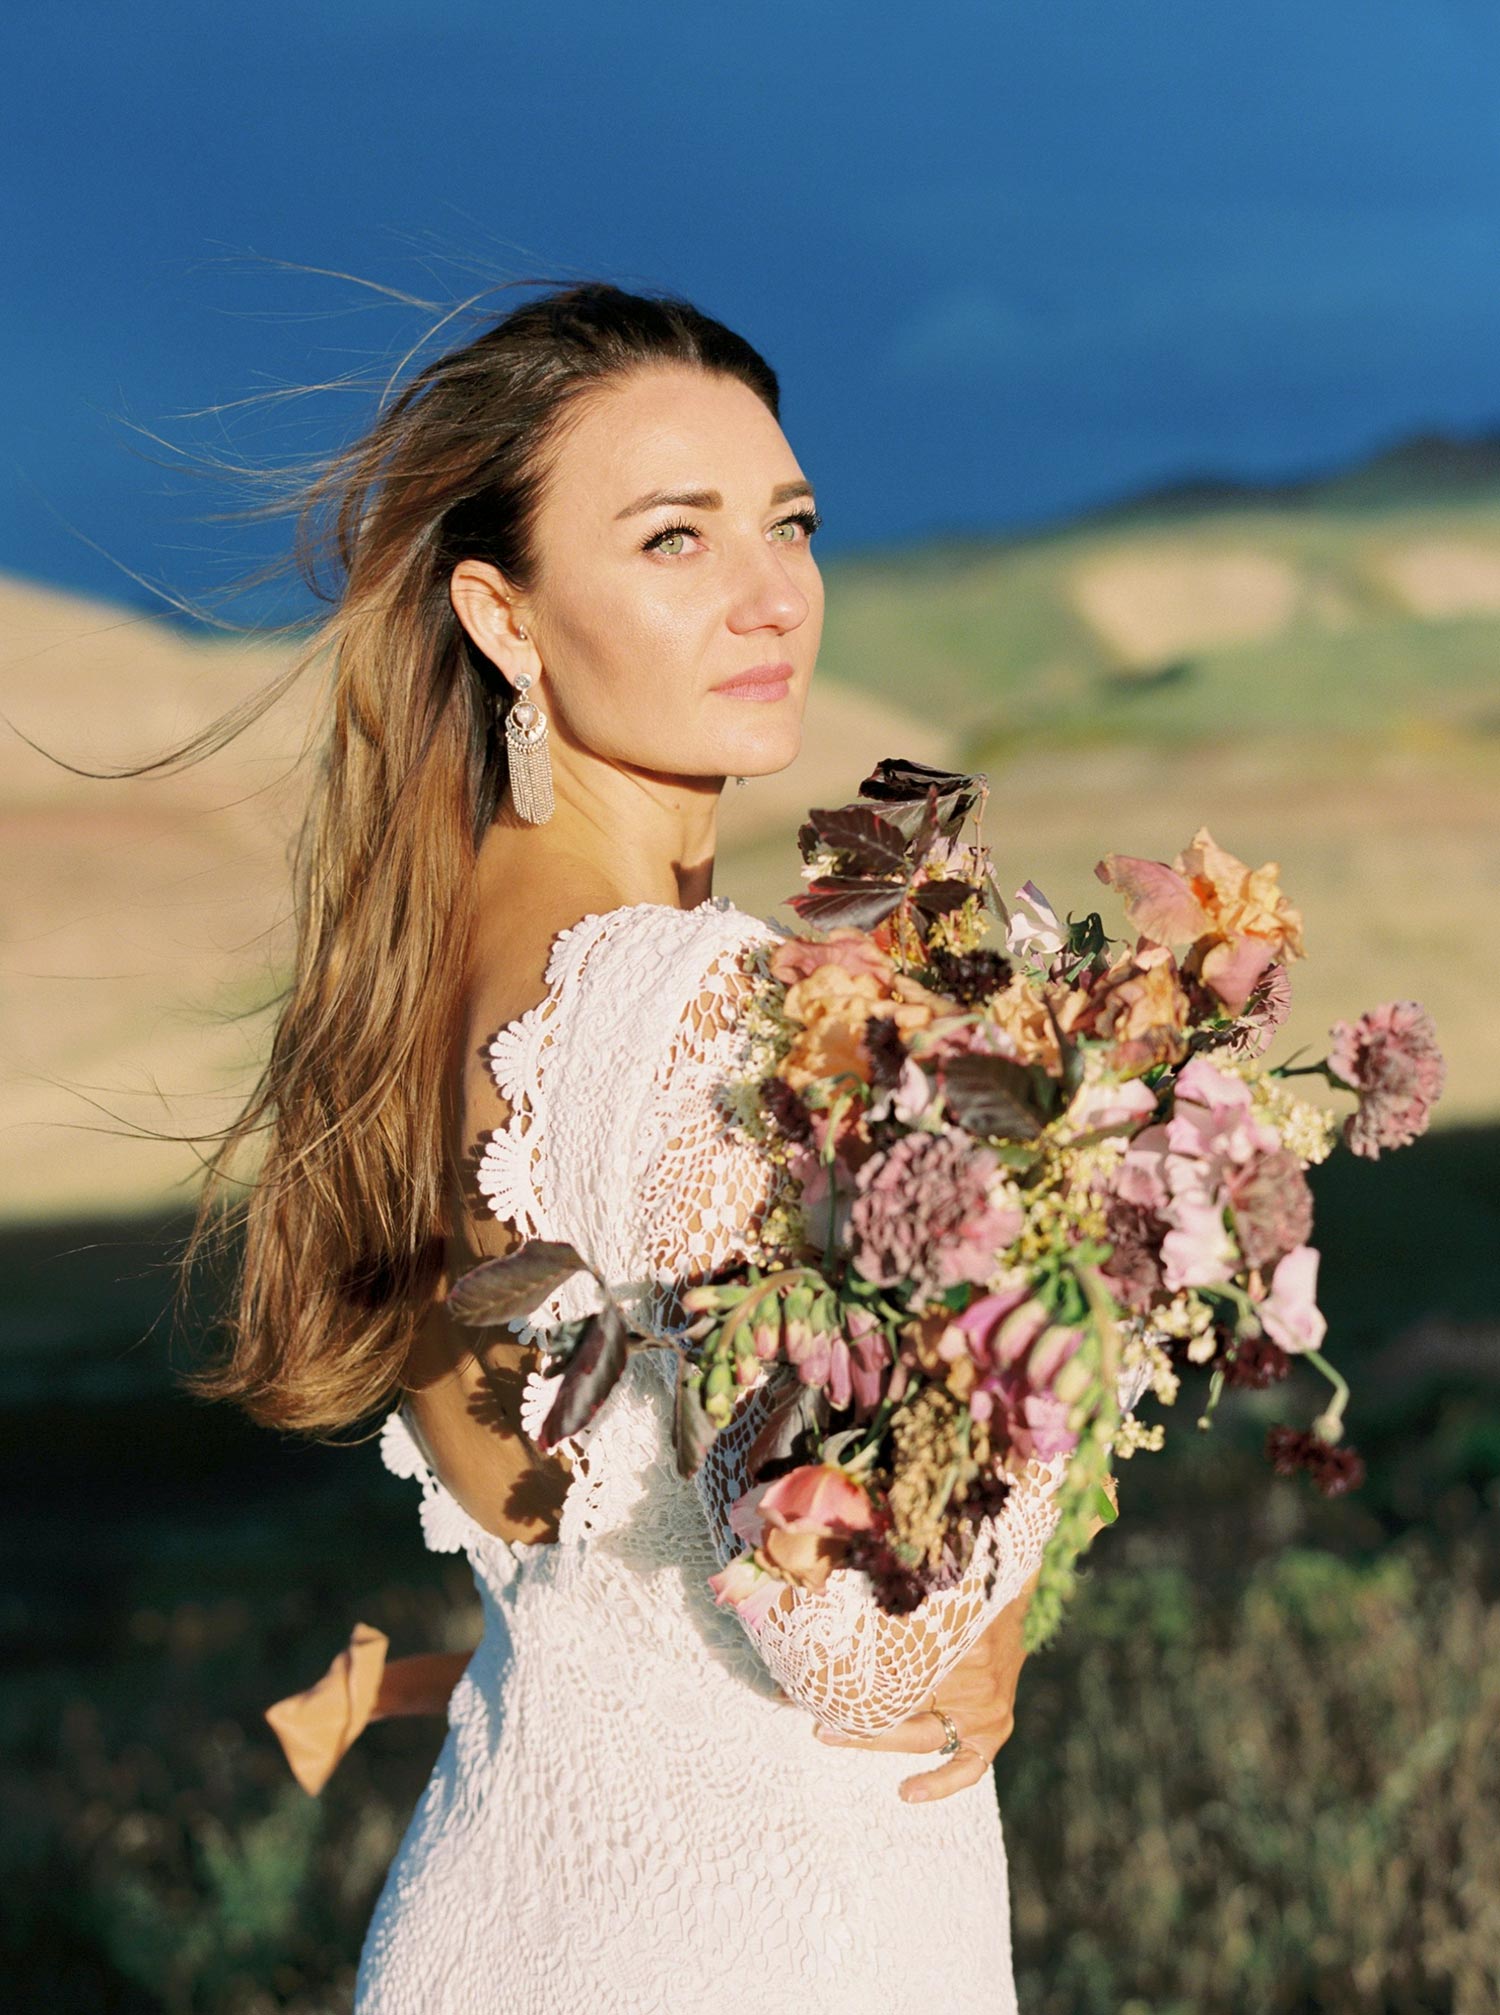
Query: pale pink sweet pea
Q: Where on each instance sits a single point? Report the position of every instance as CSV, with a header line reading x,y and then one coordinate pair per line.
x,y
1102,1107
1141,1178
912,1093
1180,1171
1037,937
1213,1114
1289,1313
1198,1251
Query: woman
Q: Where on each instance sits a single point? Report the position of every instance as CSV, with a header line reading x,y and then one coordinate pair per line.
x,y
508,1020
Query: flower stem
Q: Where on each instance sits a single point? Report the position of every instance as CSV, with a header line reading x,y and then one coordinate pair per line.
x,y
1335,1409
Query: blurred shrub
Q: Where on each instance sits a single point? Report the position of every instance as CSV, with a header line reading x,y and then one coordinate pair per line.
x,y
1288,1802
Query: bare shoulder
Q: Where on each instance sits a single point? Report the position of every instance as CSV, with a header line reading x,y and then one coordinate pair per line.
x,y
515,926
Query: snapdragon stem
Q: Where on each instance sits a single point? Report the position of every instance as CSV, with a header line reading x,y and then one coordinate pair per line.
x,y
1336,1379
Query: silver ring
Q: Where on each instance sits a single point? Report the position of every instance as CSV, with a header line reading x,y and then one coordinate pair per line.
x,y
952,1744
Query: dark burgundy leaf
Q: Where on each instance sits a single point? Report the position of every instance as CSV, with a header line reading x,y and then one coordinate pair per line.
x,y
927,828
901,789
844,899
873,846
991,1097
800,1413
937,898
498,1289
589,1376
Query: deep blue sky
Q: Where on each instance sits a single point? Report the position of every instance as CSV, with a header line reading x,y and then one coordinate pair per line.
x,y
1008,260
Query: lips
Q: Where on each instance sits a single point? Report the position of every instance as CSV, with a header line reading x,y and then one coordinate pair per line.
x,y
761,682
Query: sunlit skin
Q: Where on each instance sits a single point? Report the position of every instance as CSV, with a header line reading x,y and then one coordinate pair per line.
x,y
624,633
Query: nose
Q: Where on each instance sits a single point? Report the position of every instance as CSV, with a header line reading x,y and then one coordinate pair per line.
x,y
767,595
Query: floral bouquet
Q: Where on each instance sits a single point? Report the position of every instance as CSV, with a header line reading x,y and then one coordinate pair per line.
x,y
1014,1185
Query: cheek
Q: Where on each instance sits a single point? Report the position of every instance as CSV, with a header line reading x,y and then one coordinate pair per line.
x,y
617,652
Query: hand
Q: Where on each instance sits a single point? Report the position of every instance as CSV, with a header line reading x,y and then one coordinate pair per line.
x,y
978,1696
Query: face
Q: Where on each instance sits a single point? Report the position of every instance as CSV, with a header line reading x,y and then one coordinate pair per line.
x,y
673,555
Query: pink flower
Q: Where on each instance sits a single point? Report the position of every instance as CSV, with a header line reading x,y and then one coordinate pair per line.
x,y
747,1588
1182,1173
857,1357
1035,1422
1289,1314
798,1523
1390,1056
817,1497
983,1319
1272,1206
1104,1107
796,958
1235,917
927,1211
1037,937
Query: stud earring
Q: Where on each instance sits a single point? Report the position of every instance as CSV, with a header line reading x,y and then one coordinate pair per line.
x,y
739,780
527,757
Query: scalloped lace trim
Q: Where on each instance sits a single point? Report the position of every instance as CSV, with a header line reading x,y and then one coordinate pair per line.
x,y
446,1526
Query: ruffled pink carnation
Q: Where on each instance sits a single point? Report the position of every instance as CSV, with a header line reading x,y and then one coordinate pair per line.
x,y
926,1212
1390,1056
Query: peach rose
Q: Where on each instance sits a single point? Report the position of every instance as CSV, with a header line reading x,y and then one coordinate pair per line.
x,y
1235,917
834,1002
1145,1009
1240,901
1020,1014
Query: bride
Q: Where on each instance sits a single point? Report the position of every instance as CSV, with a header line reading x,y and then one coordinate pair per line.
x,y
578,594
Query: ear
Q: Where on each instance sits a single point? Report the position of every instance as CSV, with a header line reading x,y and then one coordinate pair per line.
x,y
491,614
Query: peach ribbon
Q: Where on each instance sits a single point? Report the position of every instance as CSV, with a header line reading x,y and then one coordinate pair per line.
x,y
317,1727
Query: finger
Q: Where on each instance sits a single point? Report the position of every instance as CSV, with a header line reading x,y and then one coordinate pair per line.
x,y
965,1767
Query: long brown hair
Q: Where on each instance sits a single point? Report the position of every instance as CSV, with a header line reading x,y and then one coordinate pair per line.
x,y
338,1237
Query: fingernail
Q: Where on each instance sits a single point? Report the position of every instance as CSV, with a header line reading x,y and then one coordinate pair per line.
x,y
914,1796
829,1734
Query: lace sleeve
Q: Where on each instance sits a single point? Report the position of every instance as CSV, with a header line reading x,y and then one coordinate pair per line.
x,y
706,1191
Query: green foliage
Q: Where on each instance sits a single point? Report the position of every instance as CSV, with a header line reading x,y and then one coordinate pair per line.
x,y
1286,1803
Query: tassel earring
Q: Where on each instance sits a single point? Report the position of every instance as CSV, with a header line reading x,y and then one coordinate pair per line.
x,y
527,757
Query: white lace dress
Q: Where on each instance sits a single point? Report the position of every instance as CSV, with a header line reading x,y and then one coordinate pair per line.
x,y
624,1819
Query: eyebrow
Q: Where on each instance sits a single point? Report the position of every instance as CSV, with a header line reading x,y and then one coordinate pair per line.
x,y
706,500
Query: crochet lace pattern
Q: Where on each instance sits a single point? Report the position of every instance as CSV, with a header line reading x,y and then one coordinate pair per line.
x,y
625,1818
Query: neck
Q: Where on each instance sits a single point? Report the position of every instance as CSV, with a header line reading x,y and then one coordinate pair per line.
x,y
648,835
